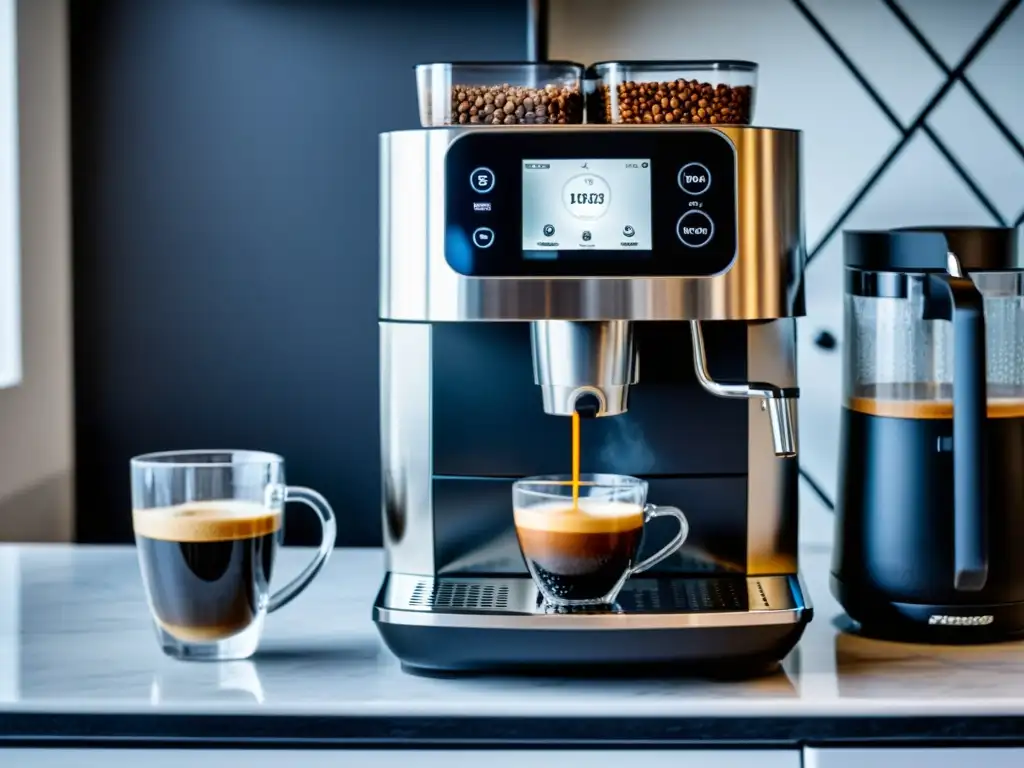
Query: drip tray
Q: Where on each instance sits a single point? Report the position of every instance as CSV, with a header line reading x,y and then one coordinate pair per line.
x,y
690,624
668,601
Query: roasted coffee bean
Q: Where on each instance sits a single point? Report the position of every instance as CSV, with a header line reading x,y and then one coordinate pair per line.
x,y
515,105
675,101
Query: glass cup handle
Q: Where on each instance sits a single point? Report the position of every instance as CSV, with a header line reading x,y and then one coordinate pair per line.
x,y
652,511
318,504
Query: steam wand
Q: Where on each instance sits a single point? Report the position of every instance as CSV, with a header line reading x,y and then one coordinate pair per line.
x,y
779,403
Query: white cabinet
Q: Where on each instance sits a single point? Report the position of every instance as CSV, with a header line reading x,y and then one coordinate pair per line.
x,y
427,758
896,757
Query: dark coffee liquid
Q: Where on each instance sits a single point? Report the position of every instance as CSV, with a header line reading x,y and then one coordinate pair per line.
x,y
207,565
895,503
580,554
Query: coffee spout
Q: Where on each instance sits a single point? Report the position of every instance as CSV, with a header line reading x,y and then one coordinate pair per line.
x,y
584,367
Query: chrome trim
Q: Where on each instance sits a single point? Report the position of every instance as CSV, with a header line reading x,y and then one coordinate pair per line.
x,y
772,482
764,282
782,418
700,367
781,410
406,449
953,265
524,610
588,621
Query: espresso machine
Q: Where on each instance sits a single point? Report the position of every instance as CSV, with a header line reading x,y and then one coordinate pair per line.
x,y
645,277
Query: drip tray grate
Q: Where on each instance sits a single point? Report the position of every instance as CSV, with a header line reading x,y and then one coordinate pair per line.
x,y
686,596
518,595
460,595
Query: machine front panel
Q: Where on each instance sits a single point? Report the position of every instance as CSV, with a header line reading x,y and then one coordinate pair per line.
x,y
488,428
488,421
544,204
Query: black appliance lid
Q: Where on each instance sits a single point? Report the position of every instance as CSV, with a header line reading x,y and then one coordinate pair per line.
x,y
924,249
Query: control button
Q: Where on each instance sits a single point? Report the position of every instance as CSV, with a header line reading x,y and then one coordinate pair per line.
x,y
694,179
695,229
586,235
483,237
549,230
482,180
628,231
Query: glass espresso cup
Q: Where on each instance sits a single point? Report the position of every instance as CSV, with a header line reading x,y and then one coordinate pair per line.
x,y
582,553
207,527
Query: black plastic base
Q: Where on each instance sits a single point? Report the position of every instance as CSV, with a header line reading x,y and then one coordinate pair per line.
x,y
879,617
717,652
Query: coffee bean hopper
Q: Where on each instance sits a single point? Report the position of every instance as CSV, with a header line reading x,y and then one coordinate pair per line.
x,y
644,272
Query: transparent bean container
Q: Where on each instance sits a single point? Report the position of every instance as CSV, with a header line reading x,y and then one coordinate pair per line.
x,y
500,94
672,92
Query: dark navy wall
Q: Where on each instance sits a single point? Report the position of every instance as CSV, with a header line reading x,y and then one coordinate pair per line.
x,y
225,230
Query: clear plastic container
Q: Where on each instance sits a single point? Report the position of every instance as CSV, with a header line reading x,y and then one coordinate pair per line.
x,y
899,360
500,94
673,92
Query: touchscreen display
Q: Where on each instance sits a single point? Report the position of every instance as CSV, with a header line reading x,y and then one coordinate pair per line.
x,y
579,205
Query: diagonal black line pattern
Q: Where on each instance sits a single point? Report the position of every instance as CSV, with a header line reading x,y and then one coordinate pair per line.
x,y
973,92
818,490
928,48
967,178
955,74
848,63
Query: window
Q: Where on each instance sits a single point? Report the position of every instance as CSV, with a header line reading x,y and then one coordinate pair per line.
x,y
10,289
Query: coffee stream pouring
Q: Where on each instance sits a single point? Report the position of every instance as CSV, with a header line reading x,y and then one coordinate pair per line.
x,y
587,367
931,488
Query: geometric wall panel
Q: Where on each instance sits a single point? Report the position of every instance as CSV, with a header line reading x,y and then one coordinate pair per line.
x,y
951,25
998,72
883,50
919,188
984,152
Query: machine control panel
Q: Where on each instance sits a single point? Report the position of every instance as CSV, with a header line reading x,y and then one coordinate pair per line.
x,y
694,179
481,180
578,203
695,228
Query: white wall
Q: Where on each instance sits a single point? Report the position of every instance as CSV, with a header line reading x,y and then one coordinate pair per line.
x,y
36,416
804,84
10,293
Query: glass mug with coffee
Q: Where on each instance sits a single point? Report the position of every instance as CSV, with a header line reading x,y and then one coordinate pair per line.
x,y
207,528
581,539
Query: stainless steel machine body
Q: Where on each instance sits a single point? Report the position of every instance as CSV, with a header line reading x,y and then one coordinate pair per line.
x,y
685,353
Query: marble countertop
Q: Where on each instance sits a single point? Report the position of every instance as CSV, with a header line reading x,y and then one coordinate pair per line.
x,y
78,660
